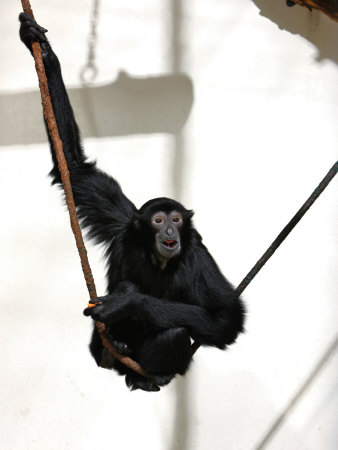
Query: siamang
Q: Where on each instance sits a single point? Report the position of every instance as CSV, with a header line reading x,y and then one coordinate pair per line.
x,y
164,287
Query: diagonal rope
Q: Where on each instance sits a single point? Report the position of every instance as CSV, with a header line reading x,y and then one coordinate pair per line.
x,y
63,169
287,230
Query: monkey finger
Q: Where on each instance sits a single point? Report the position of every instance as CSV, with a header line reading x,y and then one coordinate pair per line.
x,y
25,17
36,35
95,301
87,312
42,30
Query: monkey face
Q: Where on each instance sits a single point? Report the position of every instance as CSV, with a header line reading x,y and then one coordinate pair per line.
x,y
167,233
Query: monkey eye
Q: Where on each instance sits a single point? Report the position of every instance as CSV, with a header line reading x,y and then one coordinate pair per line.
x,y
158,220
176,219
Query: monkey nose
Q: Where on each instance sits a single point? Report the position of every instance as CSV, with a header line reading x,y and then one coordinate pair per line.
x,y
169,231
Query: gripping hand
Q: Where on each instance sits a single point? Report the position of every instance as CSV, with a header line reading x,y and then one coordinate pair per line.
x,y
30,31
120,304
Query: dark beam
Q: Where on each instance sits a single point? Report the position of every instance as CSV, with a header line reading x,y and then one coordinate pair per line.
x,y
328,7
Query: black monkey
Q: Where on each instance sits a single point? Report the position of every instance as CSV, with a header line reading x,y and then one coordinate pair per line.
x,y
163,285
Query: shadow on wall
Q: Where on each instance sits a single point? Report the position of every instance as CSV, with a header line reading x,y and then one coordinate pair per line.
x,y
125,107
314,26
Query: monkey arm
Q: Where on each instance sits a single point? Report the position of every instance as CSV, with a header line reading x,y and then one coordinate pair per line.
x,y
102,206
67,126
214,328
217,328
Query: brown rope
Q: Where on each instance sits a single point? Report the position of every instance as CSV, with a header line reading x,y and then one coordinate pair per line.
x,y
63,168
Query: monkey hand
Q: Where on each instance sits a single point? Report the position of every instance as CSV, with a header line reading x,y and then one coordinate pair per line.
x,y
111,308
30,31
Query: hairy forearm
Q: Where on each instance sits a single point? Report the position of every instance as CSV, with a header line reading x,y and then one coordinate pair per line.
x,y
67,127
206,327
30,32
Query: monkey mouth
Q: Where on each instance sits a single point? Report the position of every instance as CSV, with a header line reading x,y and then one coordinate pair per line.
x,y
170,243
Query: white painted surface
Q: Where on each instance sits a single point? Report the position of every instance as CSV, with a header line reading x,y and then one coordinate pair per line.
x,y
260,135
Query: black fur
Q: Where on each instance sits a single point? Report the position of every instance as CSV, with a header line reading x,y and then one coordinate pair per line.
x,y
153,306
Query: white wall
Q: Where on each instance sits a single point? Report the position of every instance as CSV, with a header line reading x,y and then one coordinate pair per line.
x,y
232,108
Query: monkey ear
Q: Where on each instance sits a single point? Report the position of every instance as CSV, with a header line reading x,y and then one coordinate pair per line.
x,y
136,221
189,214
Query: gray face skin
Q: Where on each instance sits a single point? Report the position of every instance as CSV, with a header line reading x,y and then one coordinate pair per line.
x,y
168,242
